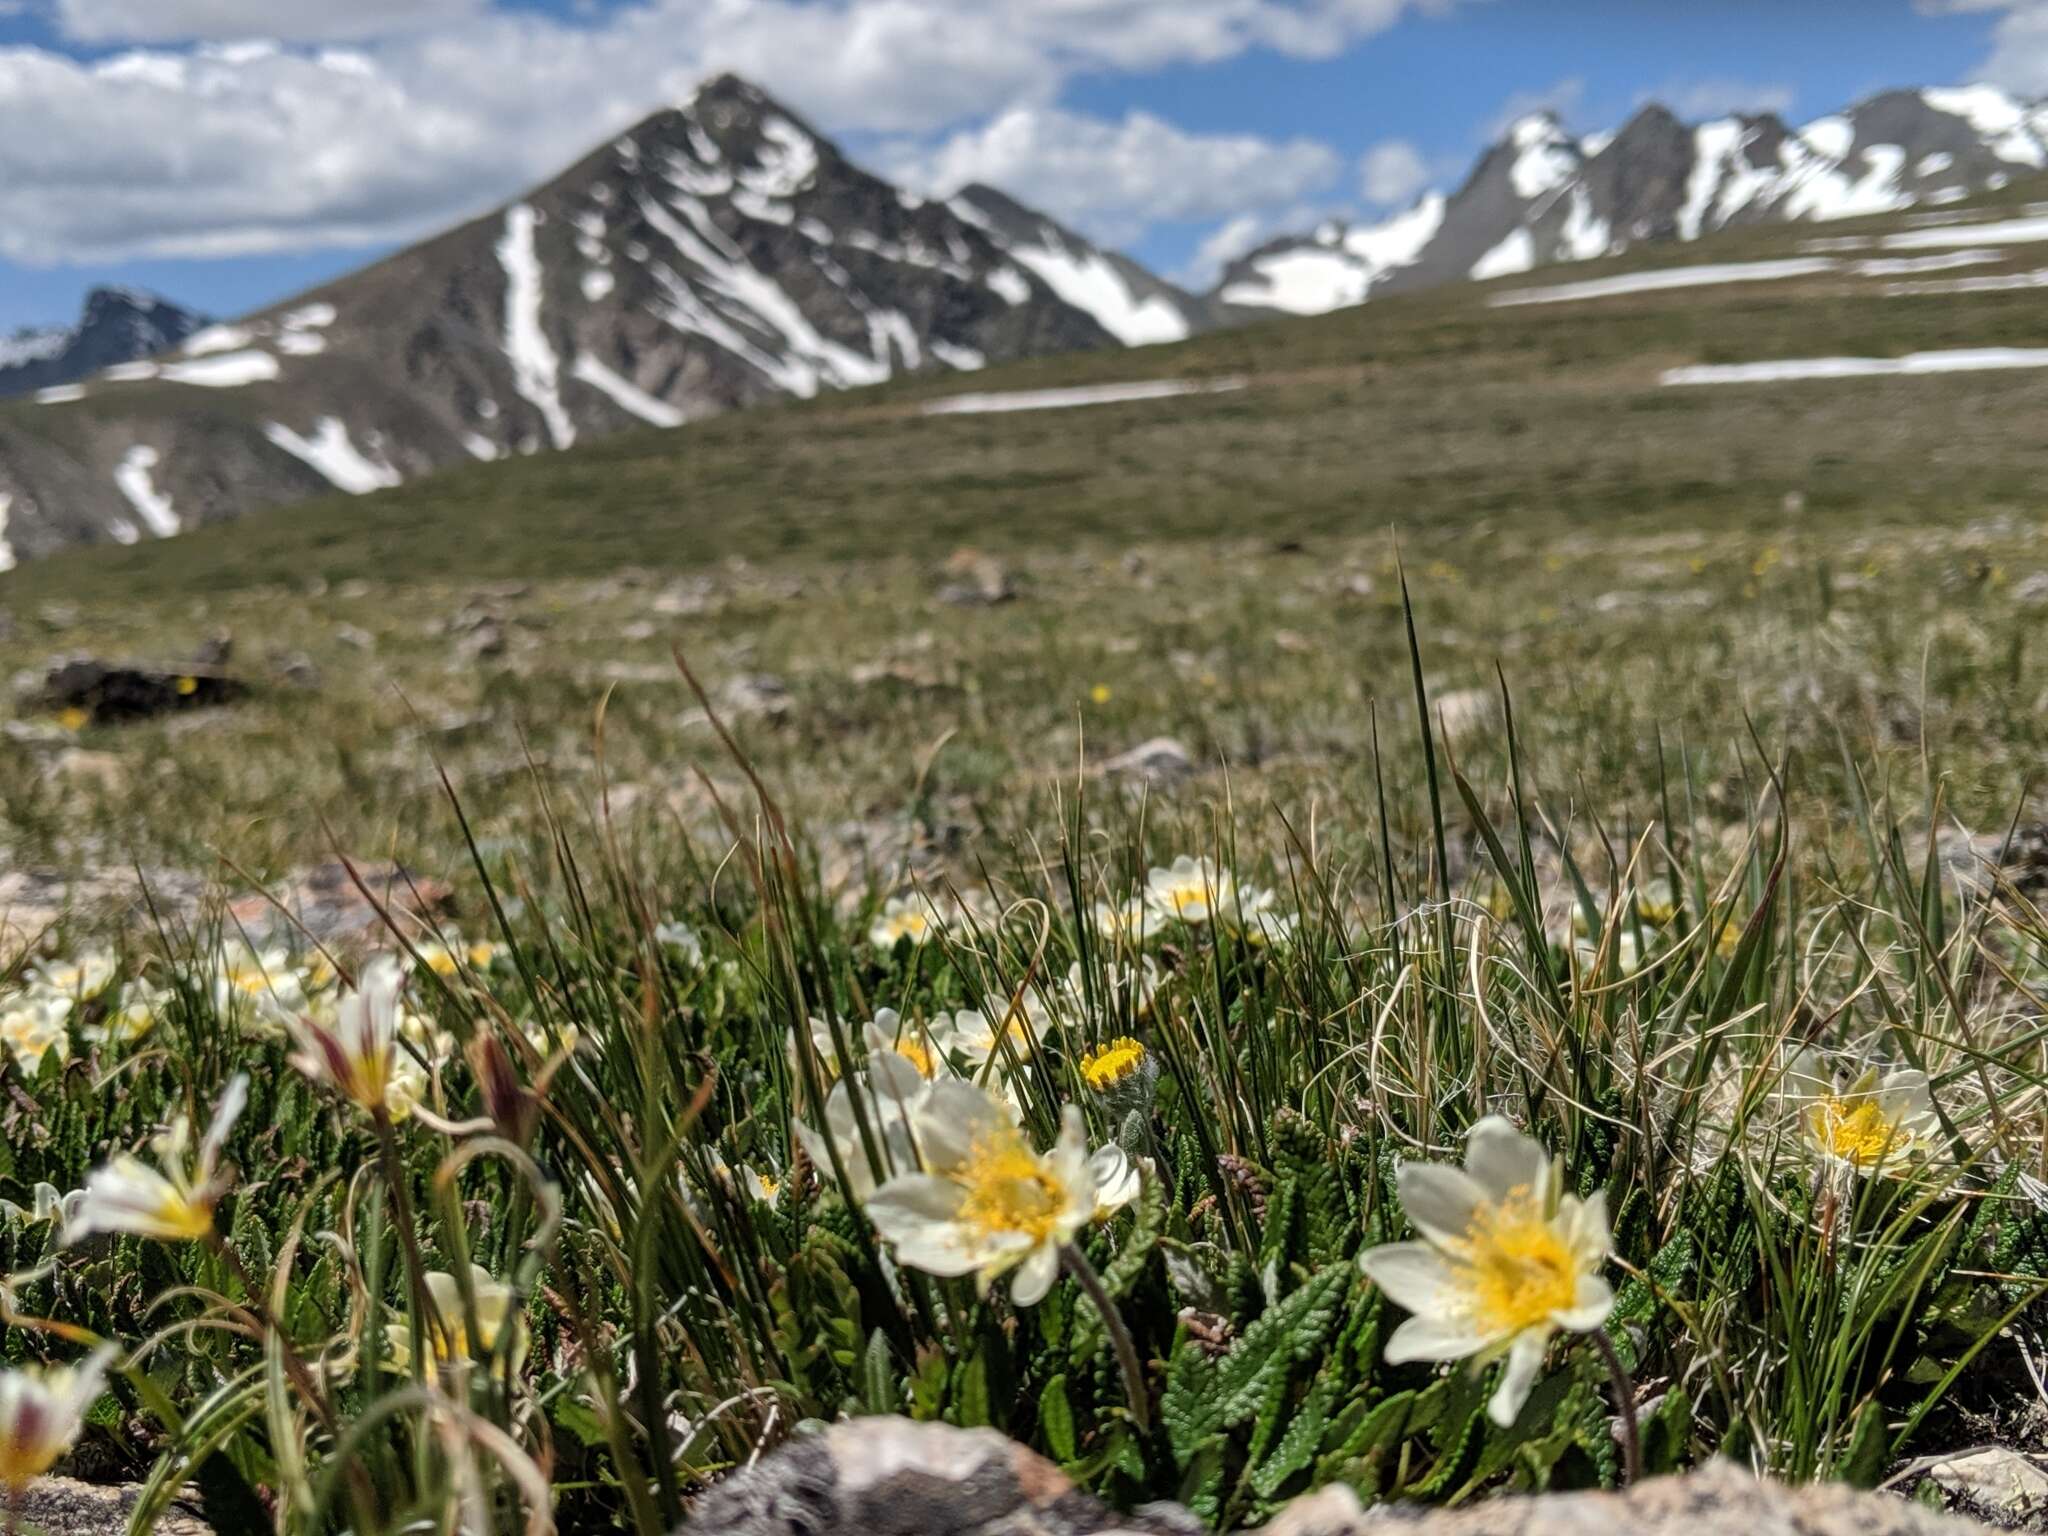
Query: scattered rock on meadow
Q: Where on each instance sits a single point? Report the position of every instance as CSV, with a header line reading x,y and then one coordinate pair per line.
x,y
63,1506
355,639
1465,713
481,641
973,579
1999,1484
216,650
755,693
104,771
111,693
327,903
295,669
1162,760
891,1477
2031,591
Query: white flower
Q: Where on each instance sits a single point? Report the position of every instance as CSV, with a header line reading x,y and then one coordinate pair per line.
x,y
495,1304
679,936
174,1203
259,990
356,1053
76,981
1117,1180
901,1060
905,917
1125,923
972,1035
1505,1261
141,1005
1875,1125
1194,891
821,1043
888,1119
42,1409
32,1026
987,1204
445,958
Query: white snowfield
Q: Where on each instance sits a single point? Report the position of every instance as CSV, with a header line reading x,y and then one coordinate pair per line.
x,y
330,451
1086,280
1342,267
992,403
1669,277
1941,237
625,394
2005,283
60,394
1955,360
6,548
223,370
535,368
138,485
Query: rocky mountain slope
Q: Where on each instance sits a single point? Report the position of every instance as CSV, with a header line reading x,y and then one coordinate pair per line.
x,y
1540,195
120,325
719,255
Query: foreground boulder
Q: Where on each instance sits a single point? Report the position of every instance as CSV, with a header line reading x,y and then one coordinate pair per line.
x,y
113,693
62,1506
890,1477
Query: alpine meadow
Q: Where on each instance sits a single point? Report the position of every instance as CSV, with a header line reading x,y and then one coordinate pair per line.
x,y
1425,873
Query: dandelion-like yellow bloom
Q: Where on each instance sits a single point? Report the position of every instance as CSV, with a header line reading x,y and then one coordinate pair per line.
x,y
1108,1065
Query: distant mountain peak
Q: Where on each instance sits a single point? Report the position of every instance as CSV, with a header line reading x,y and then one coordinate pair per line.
x,y
1538,195
116,325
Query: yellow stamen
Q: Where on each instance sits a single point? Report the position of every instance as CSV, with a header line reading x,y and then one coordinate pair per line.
x,y
1521,1269
1856,1132
1008,1188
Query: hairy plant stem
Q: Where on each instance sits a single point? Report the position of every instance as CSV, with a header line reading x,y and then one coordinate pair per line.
x,y
1084,1274
1625,1407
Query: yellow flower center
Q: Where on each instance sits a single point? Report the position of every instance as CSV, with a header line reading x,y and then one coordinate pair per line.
x,y
74,719
193,1218
1521,1269
1856,1131
919,1055
1008,1188
1107,1065
769,1187
187,686
1187,894
22,1461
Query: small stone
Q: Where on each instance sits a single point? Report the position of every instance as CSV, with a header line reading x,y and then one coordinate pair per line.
x,y
63,1506
1996,1482
756,693
974,579
295,669
58,615
481,641
1465,712
104,771
216,650
1162,760
2031,591
354,638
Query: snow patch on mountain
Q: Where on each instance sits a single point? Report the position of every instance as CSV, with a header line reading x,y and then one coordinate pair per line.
x,y
136,479
535,368
625,394
1341,268
1087,280
1955,360
225,370
331,452
1999,232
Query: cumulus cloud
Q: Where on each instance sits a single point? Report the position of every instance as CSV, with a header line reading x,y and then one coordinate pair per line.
x,y
1112,179
2018,59
1392,172
457,106
101,21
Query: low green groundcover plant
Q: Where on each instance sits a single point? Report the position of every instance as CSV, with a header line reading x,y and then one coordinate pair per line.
x,y
1215,1177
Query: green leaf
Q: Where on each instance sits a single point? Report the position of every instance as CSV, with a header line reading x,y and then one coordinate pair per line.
x,y
878,1375
1056,1419
1869,1452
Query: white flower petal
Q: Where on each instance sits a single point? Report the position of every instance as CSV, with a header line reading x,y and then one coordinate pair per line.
x,y
1501,1160
1414,1276
1035,1275
1525,1363
1433,1338
1591,1303
1439,1201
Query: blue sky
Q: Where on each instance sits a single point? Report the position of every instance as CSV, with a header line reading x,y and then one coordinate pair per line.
x,y
137,146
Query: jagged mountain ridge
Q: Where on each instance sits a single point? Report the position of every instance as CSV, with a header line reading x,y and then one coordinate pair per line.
x,y
1541,195
717,256
117,325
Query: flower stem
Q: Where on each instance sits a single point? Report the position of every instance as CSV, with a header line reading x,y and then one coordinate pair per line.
x,y
1135,1394
1625,1405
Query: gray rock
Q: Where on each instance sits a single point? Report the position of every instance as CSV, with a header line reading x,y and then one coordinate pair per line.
x,y
62,1506
1995,1482
890,1477
1162,760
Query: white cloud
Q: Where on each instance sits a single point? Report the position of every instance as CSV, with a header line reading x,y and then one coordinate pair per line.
x,y
222,150
1392,172
2018,59
1112,179
1698,100
101,21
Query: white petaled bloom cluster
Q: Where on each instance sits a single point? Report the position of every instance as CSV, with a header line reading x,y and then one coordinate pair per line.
x,y
985,1203
173,1201
1505,1260
38,1016
906,918
42,1410
261,991
1193,892
496,1306
1876,1125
